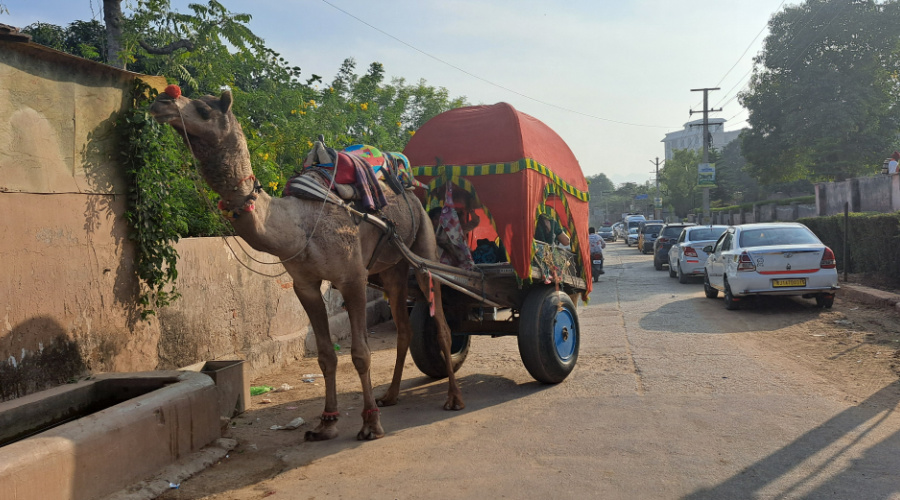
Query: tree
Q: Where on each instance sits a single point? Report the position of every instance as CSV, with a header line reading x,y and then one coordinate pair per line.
x,y
733,183
822,99
678,180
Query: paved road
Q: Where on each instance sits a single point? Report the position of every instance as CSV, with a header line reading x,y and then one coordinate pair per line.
x,y
666,402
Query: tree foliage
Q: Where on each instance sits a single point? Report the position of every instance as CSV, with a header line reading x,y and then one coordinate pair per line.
x,y
823,96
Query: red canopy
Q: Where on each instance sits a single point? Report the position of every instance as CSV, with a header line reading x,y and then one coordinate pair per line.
x,y
515,166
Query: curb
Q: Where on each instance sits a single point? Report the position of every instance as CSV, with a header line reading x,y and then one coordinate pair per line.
x,y
870,296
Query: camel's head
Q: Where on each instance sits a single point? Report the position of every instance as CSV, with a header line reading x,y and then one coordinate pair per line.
x,y
205,120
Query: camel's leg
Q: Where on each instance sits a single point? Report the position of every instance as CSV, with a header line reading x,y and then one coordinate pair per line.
x,y
426,246
454,395
396,284
311,298
354,294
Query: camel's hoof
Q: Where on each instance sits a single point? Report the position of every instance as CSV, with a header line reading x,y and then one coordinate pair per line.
x,y
387,401
454,404
322,432
369,433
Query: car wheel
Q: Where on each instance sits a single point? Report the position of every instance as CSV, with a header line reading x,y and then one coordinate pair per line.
x,y
825,300
672,270
710,292
731,303
657,263
682,278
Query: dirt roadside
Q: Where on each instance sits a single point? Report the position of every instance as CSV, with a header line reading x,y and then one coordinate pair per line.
x,y
854,347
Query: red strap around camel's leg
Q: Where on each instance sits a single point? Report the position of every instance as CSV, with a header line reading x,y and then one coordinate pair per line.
x,y
370,411
330,415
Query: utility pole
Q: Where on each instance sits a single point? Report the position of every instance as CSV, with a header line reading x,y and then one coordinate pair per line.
x,y
705,112
657,209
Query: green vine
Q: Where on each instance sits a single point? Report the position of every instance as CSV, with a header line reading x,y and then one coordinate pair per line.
x,y
151,155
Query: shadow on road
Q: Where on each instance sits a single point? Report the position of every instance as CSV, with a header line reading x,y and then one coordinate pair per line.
x,y
786,473
756,314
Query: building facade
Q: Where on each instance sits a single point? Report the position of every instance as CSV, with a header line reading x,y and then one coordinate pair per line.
x,y
691,137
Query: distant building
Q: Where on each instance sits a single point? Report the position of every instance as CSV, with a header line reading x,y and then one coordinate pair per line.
x,y
692,136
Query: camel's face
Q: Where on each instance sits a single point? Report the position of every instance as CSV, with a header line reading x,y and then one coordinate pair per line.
x,y
207,119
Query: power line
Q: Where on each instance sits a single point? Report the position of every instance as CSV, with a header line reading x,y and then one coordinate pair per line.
x,y
545,103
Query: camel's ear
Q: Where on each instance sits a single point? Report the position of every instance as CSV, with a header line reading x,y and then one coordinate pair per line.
x,y
225,101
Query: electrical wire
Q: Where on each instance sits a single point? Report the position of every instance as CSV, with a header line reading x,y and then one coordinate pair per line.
x,y
507,89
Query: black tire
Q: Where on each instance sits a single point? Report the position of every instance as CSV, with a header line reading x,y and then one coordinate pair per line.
x,y
825,301
672,272
682,278
657,264
549,336
731,303
425,348
627,242
710,292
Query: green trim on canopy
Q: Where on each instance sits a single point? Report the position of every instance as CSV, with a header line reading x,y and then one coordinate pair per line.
x,y
574,243
500,168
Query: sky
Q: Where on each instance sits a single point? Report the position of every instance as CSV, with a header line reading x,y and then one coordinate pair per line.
x,y
610,77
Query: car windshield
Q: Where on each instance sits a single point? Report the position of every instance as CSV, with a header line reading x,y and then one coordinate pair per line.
x,y
633,230
652,228
705,233
606,228
777,236
673,231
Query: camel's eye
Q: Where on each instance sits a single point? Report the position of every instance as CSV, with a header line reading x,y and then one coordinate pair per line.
x,y
202,109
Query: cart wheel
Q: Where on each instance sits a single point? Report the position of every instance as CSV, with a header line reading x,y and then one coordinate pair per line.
x,y
548,335
425,348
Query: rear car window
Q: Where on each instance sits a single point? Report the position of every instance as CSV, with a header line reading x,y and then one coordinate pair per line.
x,y
777,236
705,234
670,232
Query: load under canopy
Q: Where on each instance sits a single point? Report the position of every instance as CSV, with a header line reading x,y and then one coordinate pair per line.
x,y
514,166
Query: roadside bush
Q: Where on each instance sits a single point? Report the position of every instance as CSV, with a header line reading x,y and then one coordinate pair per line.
x,y
872,242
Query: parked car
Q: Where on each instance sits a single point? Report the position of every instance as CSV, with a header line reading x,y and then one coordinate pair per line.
x,y
620,230
632,237
633,221
686,257
783,258
666,239
647,235
607,233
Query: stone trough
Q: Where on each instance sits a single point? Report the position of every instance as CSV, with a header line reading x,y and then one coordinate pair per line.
x,y
87,440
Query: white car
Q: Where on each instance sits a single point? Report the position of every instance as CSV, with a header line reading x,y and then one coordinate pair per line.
x,y
632,237
782,258
686,257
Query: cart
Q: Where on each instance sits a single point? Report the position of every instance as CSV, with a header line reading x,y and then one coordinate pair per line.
x,y
510,168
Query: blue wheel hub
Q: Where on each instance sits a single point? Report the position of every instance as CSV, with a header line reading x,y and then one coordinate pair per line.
x,y
565,334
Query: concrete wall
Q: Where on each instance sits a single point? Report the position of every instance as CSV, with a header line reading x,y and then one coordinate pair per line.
x,y
68,292
228,311
765,212
880,193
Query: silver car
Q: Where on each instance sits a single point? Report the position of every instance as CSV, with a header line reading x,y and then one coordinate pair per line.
x,y
686,257
782,258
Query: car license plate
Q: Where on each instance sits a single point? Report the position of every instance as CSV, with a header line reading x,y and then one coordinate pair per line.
x,y
598,262
790,282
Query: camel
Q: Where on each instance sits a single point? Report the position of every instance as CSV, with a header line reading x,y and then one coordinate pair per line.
x,y
316,241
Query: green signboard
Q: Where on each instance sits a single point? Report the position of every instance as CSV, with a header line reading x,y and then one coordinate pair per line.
x,y
706,175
